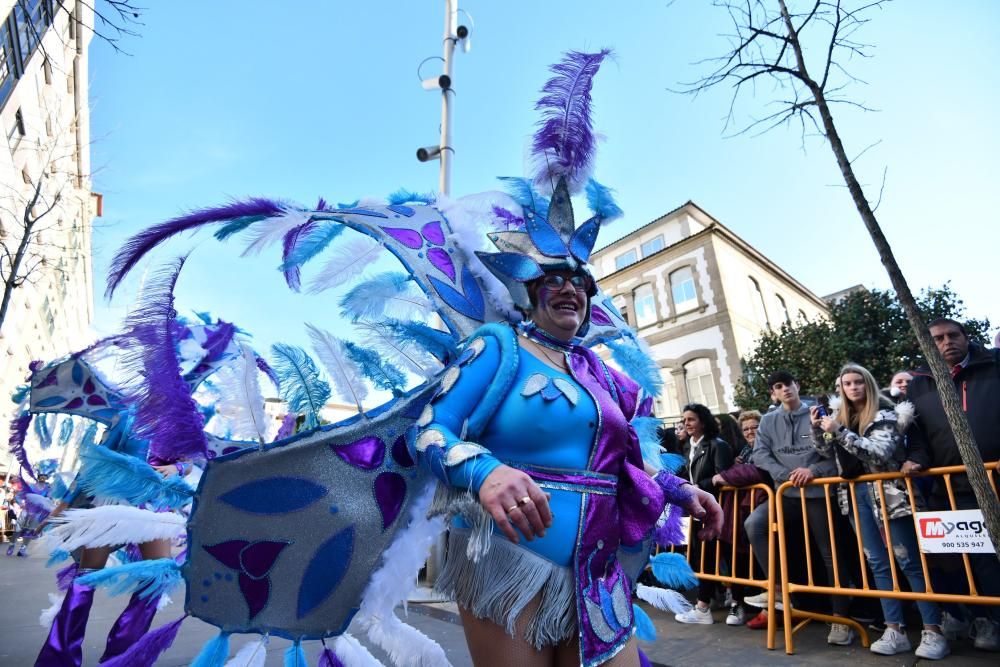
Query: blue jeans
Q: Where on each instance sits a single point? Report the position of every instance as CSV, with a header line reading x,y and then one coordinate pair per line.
x,y
905,549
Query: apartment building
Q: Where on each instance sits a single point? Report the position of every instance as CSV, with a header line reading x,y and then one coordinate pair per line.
x,y
700,296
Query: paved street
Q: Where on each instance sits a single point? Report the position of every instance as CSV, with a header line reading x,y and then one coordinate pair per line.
x,y
25,583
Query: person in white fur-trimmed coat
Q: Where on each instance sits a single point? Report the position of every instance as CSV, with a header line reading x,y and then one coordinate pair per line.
x,y
865,435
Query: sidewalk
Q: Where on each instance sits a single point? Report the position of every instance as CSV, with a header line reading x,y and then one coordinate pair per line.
x,y
25,583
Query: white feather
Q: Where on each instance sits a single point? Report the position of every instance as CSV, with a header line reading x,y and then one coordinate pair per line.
x,y
410,356
664,599
905,414
348,382
393,583
468,217
251,654
111,525
49,613
348,260
239,403
164,602
264,233
352,653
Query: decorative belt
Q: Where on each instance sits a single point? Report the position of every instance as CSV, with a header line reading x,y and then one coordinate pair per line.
x,y
563,479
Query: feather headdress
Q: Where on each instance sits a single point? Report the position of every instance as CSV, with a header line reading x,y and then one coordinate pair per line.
x,y
303,388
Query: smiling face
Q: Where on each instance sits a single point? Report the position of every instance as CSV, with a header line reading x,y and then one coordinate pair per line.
x,y
900,382
560,308
693,425
750,430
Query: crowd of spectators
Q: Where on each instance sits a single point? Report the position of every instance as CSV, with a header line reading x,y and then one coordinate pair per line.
x,y
859,430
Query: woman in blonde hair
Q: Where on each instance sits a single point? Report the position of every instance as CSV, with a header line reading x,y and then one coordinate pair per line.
x,y
865,434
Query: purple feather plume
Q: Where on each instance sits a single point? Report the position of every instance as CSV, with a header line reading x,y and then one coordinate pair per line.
x,y
564,143
217,339
292,273
136,247
328,658
65,576
266,369
165,413
150,646
287,428
18,432
35,365
508,220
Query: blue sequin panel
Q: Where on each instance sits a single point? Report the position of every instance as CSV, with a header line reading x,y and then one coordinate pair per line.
x,y
545,238
402,210
470,303
582,242
274,495
325,570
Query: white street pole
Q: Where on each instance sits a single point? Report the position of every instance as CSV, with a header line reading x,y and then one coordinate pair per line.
x,y
450,38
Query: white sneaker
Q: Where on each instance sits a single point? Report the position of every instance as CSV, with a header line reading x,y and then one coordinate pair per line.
x,y
954,628
842,635
736,615
891,643
697,616
932,646
986,635
760,601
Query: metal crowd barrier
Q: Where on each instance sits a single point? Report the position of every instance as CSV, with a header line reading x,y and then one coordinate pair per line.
x,y
741,567
865,590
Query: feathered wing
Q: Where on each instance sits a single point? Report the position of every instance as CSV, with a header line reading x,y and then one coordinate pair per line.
x,y
301,384
405,353
389,293
344,372
109,525
564,143
272,230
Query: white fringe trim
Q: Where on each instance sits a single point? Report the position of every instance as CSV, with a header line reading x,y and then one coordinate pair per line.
x,y
503,581
49,614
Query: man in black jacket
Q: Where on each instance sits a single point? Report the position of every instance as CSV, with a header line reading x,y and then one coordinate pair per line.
x,y
976,374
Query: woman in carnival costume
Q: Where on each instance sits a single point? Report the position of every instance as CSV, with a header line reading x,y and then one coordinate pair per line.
x,y
130,489
528,436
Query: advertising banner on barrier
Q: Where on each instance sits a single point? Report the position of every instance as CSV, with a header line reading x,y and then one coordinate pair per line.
x,y
960,531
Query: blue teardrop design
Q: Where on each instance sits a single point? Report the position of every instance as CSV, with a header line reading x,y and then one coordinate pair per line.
x,y
274,495
545,238
77,374
519,267
50,401
469,304
402,210
325,570
584,238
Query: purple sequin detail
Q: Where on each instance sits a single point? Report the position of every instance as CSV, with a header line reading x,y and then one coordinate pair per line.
x,y
88,386
35,365
258,558
390,491
599,317
366,453
256,592
442,261
401,454
432,232
408,237
49,380
74,404
227,553
96,400
673,487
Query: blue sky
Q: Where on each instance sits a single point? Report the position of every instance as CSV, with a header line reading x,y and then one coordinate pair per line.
x,y
307,99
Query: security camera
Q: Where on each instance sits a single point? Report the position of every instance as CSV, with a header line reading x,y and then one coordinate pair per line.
x,y
443,82
428,153
462,32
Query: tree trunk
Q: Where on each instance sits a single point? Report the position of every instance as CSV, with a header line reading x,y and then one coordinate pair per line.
x,y
988,501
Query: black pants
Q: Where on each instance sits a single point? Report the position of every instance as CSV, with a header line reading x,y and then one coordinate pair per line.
x,y
819,531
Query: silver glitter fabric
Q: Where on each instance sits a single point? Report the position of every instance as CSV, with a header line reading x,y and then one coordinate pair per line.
x,y
314,513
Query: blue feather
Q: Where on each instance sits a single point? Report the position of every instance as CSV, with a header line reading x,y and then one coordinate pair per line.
x,y
295,656
383,375
673,462
369,299
237,225
522,190
42,431
312,243
404,196
301,385
204,316
214,653
673,571
108,474
58,489
65,431
649,441
20,393
601,201
440,344
644,628
89,437
150,578
56,557
637,365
